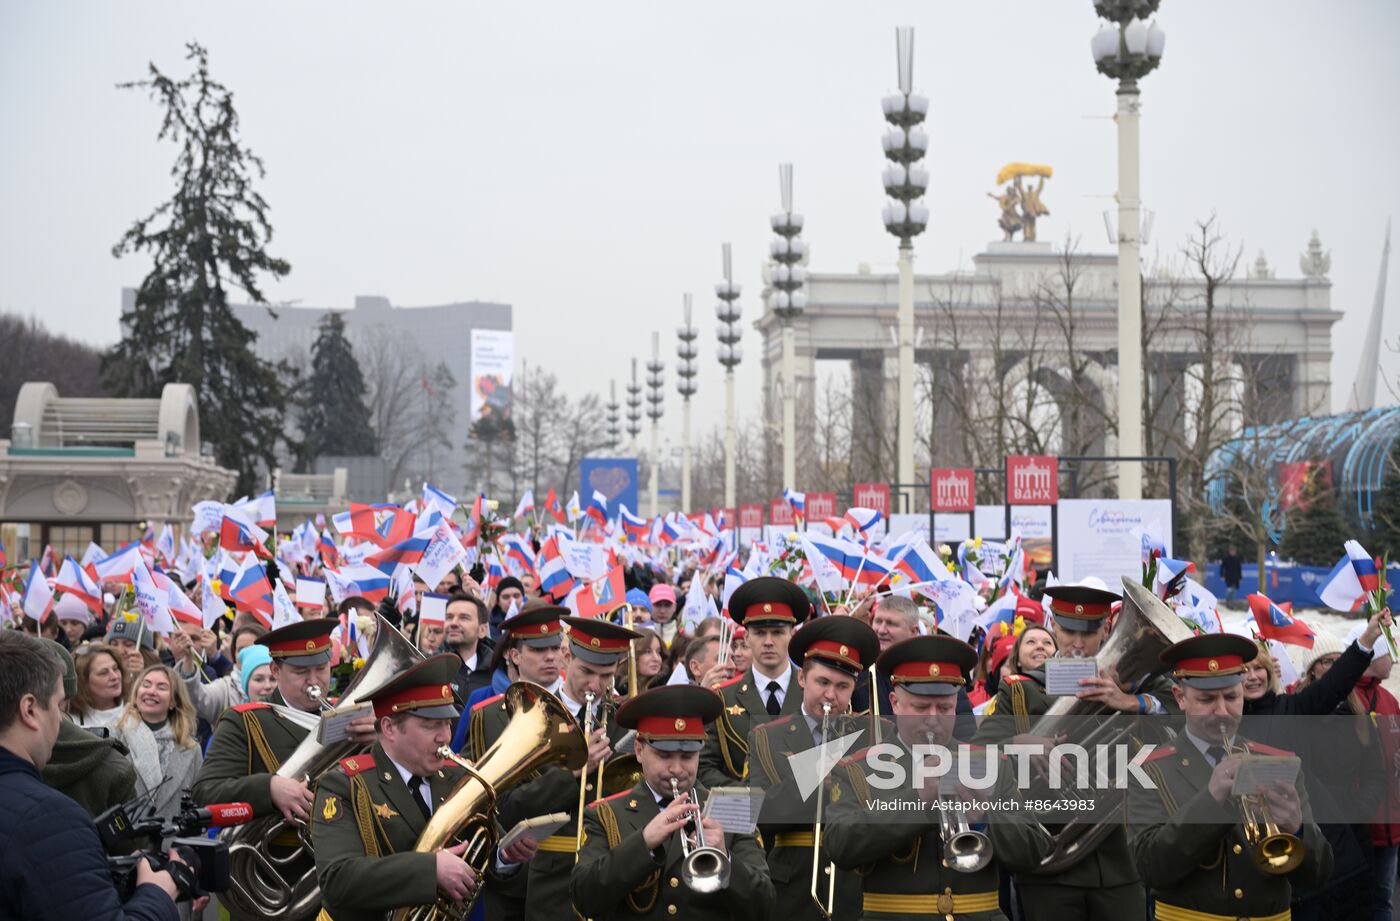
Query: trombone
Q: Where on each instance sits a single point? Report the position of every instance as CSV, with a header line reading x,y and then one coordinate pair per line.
x,y
829,905
965,849
704,869
1274,851
588,698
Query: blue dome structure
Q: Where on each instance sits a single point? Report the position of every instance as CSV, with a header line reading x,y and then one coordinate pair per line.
x,y
1357,445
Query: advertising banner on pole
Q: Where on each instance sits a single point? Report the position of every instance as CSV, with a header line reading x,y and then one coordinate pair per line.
x,y
492,367
872,495
1103,537
821,505
952,489
1032,480
751,515
780,513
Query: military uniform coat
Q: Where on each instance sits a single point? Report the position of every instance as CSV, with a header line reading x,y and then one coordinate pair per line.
x,y
617,877
1105,882
250,742
545,888
1191,850
724,758
363,826
899,855
790,844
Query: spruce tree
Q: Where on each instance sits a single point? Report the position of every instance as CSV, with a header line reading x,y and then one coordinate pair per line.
x,y
334,416
1316,529
210,236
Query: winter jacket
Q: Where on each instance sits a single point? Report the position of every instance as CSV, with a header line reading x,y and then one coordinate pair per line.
x,y
93,771
1385,714
212,698
1317,699
53,866
164,770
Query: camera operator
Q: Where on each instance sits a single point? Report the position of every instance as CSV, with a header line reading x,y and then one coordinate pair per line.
x,y
55,866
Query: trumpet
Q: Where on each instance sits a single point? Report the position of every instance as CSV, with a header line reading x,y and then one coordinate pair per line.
x,y
828,906
965,849
1274,851
315,692
704,869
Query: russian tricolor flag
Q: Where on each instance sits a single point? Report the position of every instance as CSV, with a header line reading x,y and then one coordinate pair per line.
x,y
73,581
635,528
598,508
920,563
797,501
238,534
1355,576
405,553
382,525
851,560
251,592
1274,623
118,566
555,579
862,519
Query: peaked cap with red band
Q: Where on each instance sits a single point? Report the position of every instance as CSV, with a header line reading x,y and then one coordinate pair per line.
x,y
307,643
930,666
671,718
1210,661
1082,608
597,641
538,625
842,643
769,600
424,690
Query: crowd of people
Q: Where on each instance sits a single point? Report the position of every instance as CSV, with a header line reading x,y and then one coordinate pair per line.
x,y
671,705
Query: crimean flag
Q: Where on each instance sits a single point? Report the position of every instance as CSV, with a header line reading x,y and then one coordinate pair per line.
x,y
603,596
1274,622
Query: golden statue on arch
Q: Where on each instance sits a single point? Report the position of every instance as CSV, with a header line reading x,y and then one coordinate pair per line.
x,y
1020,203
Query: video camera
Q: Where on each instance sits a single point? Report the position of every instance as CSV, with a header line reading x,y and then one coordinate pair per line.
x,y
206,864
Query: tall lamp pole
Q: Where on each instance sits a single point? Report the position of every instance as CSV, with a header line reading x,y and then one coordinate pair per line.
x,y
655,395
1127,51
634,408
614,417
787,301
905,217
730,354
686,369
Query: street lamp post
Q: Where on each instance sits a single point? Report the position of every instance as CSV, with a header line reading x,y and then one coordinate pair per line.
x,y
787,301
634,408
655,395
1127,51
614,417
730,354
905,217
686,369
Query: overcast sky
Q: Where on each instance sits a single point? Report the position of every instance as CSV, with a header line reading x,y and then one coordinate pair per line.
x,y
584,161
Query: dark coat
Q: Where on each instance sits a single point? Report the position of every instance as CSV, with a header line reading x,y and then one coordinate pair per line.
x,y
1320,698
95,772
54,867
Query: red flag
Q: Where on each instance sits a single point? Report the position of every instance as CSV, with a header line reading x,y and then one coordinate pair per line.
x,y
551,505
601,598
1276,622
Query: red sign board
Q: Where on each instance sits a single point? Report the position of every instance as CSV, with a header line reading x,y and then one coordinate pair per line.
x,y
821,505
751,515
779,512
872,495
952,489
1032,480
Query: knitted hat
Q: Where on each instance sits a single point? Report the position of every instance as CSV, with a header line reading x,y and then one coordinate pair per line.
x,y
249,659
70,671
1325,643
1379,649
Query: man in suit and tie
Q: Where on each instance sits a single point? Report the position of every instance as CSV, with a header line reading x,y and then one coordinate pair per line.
x,y
371,809
768,608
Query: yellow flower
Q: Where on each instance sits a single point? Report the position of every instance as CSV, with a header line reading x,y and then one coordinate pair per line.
x,y
358,663
792,536
977,543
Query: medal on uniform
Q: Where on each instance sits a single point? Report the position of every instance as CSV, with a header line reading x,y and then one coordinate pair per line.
x,y
384,811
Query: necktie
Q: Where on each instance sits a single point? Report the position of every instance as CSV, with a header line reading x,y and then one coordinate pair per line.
x,y
581,715
415,786
1216,754
774,708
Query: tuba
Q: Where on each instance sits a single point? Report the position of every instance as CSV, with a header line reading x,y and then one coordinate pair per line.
x,y
540,732
1145,628
264,884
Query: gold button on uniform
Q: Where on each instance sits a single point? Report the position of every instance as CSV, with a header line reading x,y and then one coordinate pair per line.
x,y
675,882
1237,849
1239,893
670,909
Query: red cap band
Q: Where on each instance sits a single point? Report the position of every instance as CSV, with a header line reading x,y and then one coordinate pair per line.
x,y
837,652
279,649
431,695
768,610
924,672
1080,609
1205,666
671,727
604,644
